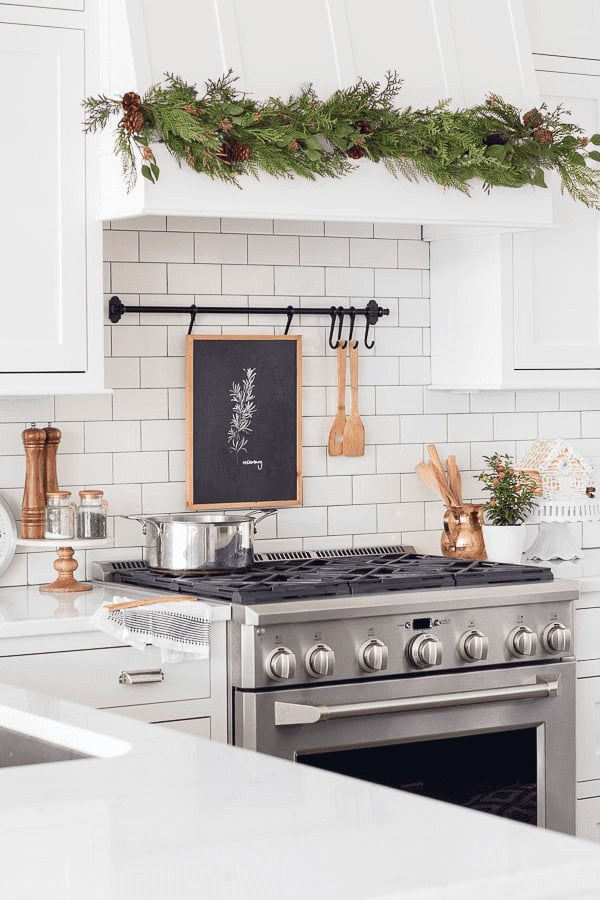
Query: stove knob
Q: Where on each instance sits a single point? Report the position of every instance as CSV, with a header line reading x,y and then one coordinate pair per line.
x,y
522,641
425,651
373,656
320,661
280,664
473,646
557,638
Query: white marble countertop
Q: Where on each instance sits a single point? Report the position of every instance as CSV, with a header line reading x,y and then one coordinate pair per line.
x,y
24,611
175,818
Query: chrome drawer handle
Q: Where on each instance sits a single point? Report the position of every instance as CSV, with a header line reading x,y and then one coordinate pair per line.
x,y
141,676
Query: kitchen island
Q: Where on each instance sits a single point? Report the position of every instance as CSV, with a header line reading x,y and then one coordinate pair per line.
x,y
163,815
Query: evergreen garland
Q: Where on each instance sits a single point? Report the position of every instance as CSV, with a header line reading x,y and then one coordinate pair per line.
x,y
226,134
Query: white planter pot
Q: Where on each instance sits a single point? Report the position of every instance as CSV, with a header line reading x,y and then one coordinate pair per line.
x,y
504,543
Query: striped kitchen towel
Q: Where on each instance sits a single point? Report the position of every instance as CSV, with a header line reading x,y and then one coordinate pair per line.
x,y
181,630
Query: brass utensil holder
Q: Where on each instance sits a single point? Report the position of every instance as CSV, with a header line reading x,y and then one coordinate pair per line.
x,y
462,537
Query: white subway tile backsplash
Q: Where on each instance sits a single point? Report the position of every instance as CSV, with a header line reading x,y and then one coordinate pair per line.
x,y
309,280
324,251
273,250
139,340
373,253
166,246
121,246
221,248
141,404
149,466
376,488
131,444
106,437
195,278
138,278
349,282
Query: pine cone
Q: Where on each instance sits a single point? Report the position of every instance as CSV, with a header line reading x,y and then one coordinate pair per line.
x,y
363,127
543,136
532,118
356,152
148,154
133,122
235,152
131,101
496,137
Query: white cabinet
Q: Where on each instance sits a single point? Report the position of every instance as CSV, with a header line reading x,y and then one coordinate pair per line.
x,y
564,29
51,338
540,289
587,648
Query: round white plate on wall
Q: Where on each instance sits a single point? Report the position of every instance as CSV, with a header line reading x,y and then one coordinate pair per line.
x,y
8,535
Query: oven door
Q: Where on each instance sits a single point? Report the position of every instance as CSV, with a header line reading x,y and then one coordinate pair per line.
x,y
501,741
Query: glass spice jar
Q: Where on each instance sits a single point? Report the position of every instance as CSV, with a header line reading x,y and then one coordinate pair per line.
x,y
91,515
60,515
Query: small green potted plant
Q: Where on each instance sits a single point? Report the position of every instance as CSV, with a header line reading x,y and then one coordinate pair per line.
x,y
511,499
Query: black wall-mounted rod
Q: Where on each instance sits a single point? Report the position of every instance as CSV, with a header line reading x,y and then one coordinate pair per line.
x,y
372,312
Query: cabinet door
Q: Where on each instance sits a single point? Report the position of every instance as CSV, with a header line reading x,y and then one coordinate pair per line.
x,y
588,819
588,728
557,272
42,179
571,29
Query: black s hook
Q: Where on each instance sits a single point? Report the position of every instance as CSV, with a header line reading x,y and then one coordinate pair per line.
x,y
290,316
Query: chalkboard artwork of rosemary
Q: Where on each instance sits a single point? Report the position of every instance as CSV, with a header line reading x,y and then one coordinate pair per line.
x,y
243,409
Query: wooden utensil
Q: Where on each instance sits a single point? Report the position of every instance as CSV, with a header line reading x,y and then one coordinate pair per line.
x,y
354,432
436,461
454,479
33,509
335,444
431,478
148,601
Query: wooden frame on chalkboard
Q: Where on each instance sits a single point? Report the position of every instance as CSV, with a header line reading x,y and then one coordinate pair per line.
x,y
243,421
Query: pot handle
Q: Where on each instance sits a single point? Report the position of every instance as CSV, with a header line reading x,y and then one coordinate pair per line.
x,y
144,520
260,514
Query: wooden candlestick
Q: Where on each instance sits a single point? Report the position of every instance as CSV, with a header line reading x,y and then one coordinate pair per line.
x,y
65,565
53,436
33,509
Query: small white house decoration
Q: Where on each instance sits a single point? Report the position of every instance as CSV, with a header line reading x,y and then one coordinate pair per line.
x,y
563,471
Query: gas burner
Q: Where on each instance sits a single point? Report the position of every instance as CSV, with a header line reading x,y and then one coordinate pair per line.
x,y
326,574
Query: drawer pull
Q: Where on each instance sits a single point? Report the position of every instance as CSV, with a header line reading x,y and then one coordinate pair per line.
x,y
141,676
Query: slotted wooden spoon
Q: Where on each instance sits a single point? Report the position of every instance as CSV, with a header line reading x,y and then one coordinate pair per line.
x,y
354,432
335,444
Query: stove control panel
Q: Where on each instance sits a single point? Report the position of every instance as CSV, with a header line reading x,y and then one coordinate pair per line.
x,y
369,646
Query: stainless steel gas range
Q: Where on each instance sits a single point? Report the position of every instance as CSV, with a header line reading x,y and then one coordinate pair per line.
x,y
449,678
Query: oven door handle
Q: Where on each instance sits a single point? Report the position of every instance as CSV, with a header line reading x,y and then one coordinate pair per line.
x,y
306,714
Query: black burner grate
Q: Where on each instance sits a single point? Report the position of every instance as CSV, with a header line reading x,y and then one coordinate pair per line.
x,y
275,580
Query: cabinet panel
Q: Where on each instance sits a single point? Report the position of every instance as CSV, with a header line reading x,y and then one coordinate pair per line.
x,y
77,5
91,677
588,819
557,272
42,177
587,633
196,727
588,729
571,29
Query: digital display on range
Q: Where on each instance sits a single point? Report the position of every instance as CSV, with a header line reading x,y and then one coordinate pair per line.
x,y
420,624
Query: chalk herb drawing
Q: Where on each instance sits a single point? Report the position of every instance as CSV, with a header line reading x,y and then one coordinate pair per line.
x,y
243,409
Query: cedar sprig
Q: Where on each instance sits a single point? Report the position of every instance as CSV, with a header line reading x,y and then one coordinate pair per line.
x,y
307,137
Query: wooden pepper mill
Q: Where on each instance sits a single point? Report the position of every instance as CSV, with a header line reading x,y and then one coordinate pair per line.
x,y
53,436
33,509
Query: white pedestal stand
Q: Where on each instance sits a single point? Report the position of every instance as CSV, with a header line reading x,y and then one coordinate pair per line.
x,y
554,540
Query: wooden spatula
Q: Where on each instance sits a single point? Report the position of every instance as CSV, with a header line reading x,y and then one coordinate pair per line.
x,y
354,432
148,601
335,445
454,479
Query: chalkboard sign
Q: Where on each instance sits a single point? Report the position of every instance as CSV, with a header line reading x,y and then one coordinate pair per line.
x,y
244,421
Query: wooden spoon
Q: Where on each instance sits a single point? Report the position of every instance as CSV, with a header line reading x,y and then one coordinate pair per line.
x,y
431,478
354,432
454,479
335,444
148,601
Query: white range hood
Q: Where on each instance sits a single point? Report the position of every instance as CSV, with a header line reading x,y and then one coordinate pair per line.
x,y
442,48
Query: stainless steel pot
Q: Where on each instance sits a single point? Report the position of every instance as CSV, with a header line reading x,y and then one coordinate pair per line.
x,y
201,542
